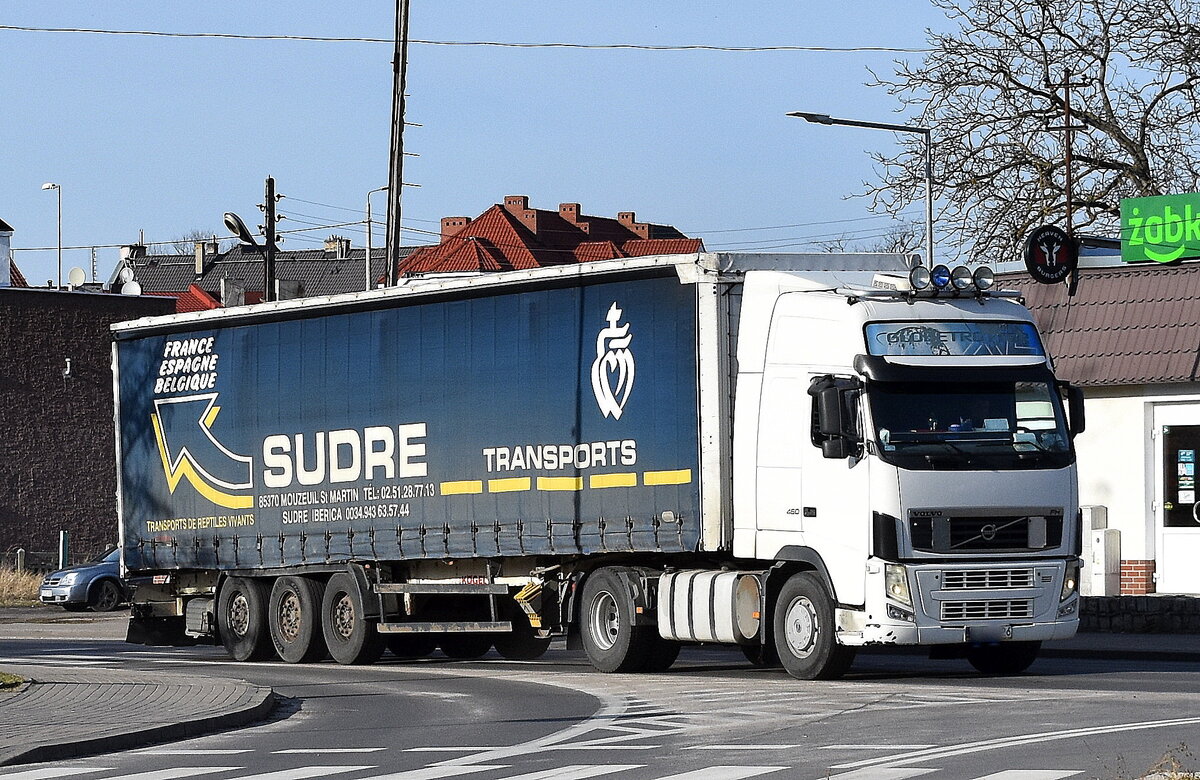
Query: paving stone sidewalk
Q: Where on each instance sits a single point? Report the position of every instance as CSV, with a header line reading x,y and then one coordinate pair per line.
x,y
70,712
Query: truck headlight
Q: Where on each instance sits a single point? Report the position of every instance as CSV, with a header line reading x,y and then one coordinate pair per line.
x,y
1070,581
895,582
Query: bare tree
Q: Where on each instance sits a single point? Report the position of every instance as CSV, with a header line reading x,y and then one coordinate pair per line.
x,y
186,244
987,91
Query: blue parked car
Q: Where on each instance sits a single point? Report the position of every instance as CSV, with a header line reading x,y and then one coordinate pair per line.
x,y
96,584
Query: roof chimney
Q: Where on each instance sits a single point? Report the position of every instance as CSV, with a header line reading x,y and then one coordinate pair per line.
x,y
6,232
199,259
337,246
629,220
451,226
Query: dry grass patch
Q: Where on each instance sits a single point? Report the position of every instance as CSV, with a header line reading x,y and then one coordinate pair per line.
x,y
18,588
10,680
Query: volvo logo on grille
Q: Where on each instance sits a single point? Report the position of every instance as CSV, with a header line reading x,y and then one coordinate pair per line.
x,y
988,532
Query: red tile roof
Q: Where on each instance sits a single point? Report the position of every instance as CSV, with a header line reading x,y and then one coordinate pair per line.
x,y
512,236
191,299
1129,325
16,278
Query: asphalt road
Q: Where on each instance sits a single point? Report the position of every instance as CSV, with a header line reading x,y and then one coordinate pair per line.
x,y
711,717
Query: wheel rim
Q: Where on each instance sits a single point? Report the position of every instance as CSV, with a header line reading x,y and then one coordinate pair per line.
x,y
239,614
605,620
343,616
801,627
289,616
108,597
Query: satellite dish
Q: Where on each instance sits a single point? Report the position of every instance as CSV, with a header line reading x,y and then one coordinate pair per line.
x,y
131,288
76,277
126,275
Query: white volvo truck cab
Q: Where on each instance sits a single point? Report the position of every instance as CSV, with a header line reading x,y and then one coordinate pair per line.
x,y
915,448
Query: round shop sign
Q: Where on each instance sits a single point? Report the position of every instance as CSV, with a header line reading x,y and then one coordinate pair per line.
x,y
1050,254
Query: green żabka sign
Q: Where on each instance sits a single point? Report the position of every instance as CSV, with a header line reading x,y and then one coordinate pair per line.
x,y
1163,229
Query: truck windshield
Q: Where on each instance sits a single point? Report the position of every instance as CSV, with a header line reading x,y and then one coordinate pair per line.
x,y
992,425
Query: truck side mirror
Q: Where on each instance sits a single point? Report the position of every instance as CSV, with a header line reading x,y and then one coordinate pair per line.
x,y
833,420
1077,420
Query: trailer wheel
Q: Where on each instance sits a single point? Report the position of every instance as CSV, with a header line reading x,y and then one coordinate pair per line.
x,y
804,631
349,635
522,643
295,619
242,619
409,646
466,647
1004,658
611,640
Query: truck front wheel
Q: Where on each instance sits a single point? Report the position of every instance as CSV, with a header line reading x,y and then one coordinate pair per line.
x,y
242,619
804,631
349,635
295,619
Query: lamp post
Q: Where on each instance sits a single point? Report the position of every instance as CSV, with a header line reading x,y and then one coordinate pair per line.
x,y
52,186
825,119
369,240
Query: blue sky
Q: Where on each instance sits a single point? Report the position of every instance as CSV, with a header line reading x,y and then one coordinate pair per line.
x,y
163,135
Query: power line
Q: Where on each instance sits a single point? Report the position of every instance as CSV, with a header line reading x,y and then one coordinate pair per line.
x,y
494,44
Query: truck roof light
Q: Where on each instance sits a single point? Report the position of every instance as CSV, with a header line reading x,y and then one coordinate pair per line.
x,y
984,278
918,277
940,277
960,277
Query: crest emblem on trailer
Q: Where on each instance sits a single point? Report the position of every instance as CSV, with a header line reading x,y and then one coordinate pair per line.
x,y
613,369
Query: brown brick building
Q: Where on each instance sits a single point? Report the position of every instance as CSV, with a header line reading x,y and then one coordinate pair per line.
x,y
57,467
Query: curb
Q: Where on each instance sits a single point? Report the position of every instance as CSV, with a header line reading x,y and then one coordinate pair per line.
x,y
257,710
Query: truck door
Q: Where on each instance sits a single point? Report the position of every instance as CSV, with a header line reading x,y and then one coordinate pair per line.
x,y
782,436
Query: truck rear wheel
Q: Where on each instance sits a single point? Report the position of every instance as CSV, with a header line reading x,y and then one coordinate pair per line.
x,y
1003,658
242,619
611,640
295,619
804,631
409,646
349,635
466,647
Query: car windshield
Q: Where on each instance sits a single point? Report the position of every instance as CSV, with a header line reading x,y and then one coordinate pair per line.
x,y
971,425
108,556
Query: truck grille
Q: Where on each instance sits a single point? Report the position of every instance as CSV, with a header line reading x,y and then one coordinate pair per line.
x,y
987,610
950,534
987,579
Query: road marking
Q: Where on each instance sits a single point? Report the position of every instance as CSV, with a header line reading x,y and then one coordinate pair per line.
x,y
196,752
574,772
451,749
742,747
319,750
882,773
178,772
875,747
303,772
437,772
725,773
51,772
1005,742
1031,774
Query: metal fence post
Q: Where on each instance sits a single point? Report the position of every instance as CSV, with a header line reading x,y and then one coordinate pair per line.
x,y
63,549
20,559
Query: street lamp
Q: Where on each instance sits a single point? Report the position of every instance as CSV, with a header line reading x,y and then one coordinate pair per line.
x,y
825,119
369,241
52,186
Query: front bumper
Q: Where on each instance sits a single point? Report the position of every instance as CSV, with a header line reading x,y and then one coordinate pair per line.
x,y
64,594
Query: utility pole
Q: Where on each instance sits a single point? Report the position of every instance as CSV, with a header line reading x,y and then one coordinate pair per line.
x,y
396,155
269,253
1068,131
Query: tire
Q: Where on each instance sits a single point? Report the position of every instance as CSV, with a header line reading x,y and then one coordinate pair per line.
x,y
295,619
660,654
242,619
409,646
760,655
466,647
105,596
804,631
606,625
522,643
1004,658
350,636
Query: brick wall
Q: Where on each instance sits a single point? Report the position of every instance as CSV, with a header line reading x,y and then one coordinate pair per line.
x,y
1137,577
57,462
